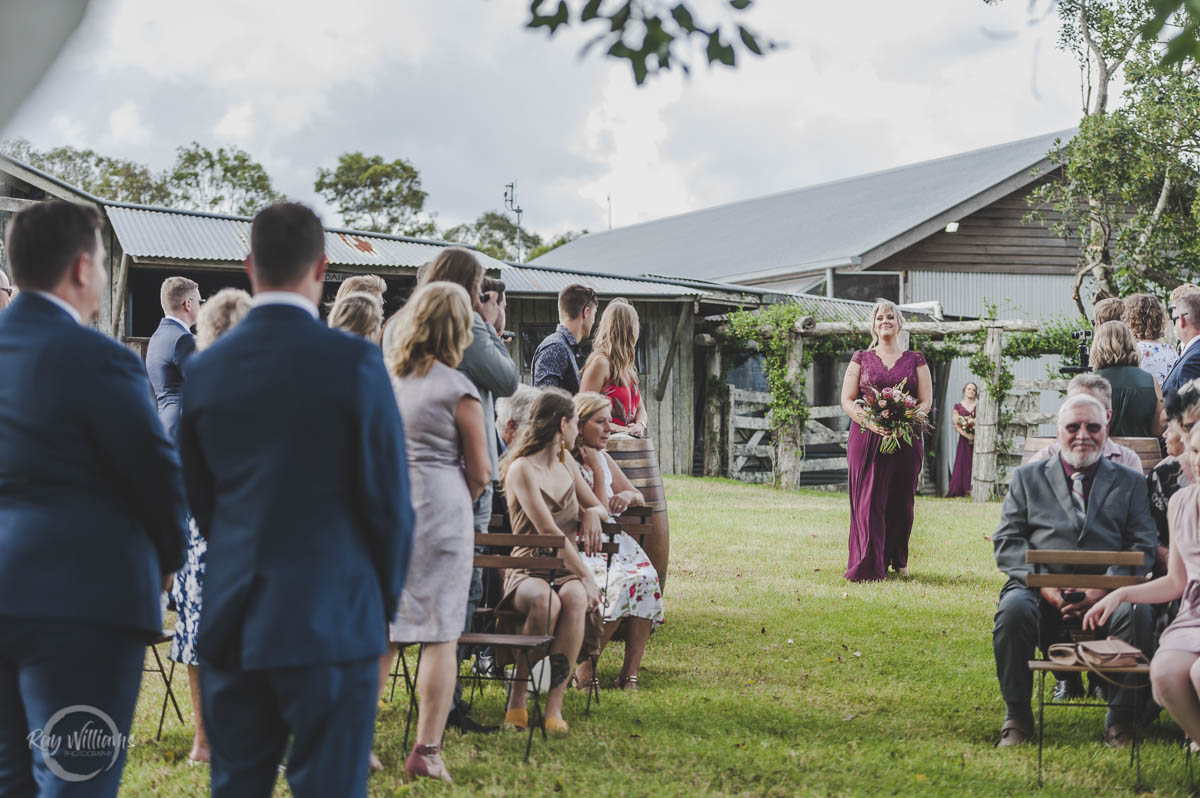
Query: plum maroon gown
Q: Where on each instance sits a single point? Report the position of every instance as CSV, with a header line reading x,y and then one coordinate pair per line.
x,y
960,478
882,486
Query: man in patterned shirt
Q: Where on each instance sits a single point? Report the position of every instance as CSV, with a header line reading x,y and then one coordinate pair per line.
x,y
556,360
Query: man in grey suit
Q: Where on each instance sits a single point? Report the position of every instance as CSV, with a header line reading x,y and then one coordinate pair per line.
x,y
1078,500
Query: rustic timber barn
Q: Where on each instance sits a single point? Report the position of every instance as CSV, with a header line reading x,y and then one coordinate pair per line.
x,y
147,244
951,231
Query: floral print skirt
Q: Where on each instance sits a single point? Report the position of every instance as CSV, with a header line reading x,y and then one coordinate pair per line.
x,y
186,593
629,588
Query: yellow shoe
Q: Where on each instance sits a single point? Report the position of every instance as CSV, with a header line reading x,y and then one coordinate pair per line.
x,y
516,719
557,725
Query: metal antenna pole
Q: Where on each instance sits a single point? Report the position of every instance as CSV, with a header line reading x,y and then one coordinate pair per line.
x,y
510,203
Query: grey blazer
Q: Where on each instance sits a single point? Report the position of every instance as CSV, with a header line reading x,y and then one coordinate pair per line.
x,y
1038,514
486,363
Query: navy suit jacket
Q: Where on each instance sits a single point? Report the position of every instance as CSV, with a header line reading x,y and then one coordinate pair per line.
x,y
166,356
294,461
1186,369
91,500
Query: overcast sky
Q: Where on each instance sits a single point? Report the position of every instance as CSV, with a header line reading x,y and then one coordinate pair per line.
x,y
474,100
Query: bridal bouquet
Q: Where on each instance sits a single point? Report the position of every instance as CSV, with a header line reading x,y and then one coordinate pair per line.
x,y
967,423
894,411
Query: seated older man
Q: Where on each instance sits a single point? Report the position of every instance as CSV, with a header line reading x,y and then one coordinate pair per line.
x,y
1100,389
1076,500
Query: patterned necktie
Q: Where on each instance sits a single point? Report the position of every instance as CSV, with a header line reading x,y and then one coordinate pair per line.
x,y
1077,496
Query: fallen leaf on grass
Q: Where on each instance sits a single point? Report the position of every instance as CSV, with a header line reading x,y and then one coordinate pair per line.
x,y
635,737
858,653
739,745
791,641
921,777
847,717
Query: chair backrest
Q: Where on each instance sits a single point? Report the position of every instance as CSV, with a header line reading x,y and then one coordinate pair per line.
x,y
531,562
1093,559
1147,450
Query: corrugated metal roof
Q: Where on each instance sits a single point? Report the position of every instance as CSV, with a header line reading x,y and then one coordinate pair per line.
x,y
151,234
148,233
832,224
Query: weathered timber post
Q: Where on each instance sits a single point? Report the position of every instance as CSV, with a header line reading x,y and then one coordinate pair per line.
x,y
941,383
715,394
789,441
984,463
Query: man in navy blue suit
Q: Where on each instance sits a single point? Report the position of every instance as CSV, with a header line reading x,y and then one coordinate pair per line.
x,y
91,516
171,346
1185,314
295,467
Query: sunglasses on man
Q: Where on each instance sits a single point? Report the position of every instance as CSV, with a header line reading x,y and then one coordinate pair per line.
x,y
1093,428
1174,318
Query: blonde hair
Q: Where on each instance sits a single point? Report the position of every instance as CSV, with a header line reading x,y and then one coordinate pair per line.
x,y
174,291
359,313
1114,345
365,283
616,339
885,304
587,404
220,314
435,324
545,420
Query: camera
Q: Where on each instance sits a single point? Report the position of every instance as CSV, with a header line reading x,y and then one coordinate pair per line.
x,y
1082,336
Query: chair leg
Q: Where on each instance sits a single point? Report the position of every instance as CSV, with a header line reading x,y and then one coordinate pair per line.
x,y
1041,730
537,719
411,684
593,687
170,694
395,673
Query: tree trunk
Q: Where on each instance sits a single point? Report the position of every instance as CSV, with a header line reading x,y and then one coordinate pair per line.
x,y
714,399
789,442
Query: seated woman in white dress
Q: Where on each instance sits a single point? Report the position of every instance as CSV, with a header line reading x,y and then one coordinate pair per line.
x,y
629,588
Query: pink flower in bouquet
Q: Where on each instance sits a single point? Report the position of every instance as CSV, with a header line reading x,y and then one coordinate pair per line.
x,y
886,413
910,402
883,403
887,392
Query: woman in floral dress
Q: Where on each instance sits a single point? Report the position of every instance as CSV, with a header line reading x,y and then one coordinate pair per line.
x,y
629,587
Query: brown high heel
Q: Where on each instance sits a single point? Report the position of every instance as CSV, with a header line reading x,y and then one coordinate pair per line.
x,y
426,760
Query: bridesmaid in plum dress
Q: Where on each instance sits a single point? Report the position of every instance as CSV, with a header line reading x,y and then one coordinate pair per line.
x,y
960,478
1174,662
882,486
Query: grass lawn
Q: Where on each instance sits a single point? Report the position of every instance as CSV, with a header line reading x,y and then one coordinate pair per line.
x,y
772,676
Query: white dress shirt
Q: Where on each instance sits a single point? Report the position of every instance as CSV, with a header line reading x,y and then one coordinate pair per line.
x,y
62,303
286,298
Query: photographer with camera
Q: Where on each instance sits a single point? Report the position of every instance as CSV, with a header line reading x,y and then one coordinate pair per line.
x,y
1185,316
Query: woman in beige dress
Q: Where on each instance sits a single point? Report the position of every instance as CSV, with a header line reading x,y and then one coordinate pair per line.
x,y
449,467
547,495
1175,670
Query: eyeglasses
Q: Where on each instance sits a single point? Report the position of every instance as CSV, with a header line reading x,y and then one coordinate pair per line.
x,y
1180,316
1093,428
8,291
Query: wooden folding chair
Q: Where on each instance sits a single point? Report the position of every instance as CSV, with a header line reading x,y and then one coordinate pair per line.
x,y
167,675
525,649
1040,558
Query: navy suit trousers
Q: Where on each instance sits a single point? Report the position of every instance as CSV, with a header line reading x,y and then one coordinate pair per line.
x,y
47,666
328,710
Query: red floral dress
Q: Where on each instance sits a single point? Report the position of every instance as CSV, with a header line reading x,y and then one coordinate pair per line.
x,y
626,399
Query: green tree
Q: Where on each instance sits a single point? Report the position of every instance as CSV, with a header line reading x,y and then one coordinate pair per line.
x,y
221,180
565,238
108,178
373,194
650,36
497,235
1127,184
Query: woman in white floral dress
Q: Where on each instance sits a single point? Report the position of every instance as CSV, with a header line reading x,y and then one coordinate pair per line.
x,y
629,588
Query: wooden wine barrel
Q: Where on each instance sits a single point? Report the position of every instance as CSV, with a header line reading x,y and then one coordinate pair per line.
x,y
1146,449
639,463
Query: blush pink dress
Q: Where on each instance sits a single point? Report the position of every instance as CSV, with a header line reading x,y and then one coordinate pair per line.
x,y
1184,632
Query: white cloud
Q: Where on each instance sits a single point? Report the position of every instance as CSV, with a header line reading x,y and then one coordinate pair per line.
x,y
68,130
236,125
125,125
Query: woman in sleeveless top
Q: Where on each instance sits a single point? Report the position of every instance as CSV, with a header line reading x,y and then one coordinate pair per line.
x,y
960,478
1146,319
629,587
449,467
1178,653
882,486
543,488
611,368
1136,396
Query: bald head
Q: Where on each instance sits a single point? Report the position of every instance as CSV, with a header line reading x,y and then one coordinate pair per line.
x,y
5,290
